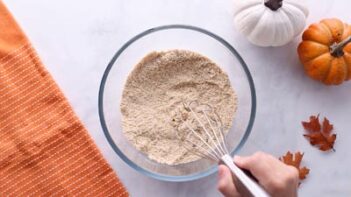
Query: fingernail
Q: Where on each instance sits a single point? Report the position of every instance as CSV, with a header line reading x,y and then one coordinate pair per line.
x,y
237,158
220,173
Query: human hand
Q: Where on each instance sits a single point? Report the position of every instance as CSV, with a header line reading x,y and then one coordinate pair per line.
x,y
277,178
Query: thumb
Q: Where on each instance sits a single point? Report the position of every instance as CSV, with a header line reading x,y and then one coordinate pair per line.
x,y
243,162
256,164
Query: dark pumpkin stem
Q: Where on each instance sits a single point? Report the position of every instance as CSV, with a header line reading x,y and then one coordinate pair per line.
x,y
273,4
337,49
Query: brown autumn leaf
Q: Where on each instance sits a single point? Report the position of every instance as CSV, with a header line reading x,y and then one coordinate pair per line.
x,y
313,125
295,160
320,135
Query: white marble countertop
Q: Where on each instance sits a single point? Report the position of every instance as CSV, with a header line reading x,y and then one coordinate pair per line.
x,y
76,40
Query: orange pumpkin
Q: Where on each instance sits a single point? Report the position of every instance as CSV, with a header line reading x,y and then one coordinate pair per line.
x,y
325,51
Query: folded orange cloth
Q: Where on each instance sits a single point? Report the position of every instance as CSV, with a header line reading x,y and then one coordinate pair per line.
x,y
44,148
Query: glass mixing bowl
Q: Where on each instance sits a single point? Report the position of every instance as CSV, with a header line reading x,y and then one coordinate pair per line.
x,y
166,38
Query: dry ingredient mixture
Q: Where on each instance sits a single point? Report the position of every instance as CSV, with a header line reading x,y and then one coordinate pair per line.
x,y
154,94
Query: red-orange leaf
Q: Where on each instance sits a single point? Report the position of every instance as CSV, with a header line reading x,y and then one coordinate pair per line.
x,y
327,127
289,159
319,136
313,125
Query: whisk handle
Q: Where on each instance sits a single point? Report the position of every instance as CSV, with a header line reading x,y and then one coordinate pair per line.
x,y
247,184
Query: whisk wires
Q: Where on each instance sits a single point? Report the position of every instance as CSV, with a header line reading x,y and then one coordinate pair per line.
x,y
212,140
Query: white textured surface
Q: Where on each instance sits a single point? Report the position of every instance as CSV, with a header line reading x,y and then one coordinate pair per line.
x,y
76,40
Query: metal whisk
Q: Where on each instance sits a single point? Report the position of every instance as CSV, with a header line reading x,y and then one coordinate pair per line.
x,y
202,133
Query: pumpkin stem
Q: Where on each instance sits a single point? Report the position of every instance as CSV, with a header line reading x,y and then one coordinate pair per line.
x,y
273,4
337,49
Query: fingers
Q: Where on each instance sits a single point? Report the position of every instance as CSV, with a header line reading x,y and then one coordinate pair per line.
x,y
272,174
255,163
225,182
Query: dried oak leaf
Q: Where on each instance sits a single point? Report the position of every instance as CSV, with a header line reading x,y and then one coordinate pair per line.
x,y
295,160
320,135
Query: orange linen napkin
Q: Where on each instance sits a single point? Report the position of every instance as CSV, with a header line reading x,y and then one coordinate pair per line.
x,y
44,149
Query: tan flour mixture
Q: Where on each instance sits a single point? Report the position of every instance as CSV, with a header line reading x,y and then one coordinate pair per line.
x,y
153,95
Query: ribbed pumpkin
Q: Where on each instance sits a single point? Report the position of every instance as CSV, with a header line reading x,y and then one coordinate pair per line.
x,y
325,51
270,22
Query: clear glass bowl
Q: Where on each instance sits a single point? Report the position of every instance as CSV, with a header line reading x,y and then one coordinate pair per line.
x,y
165,38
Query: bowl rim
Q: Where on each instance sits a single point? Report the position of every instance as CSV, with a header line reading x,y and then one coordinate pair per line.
x,y
158,176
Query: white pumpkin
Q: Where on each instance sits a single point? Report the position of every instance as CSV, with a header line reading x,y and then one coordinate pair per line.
x,y
270,22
